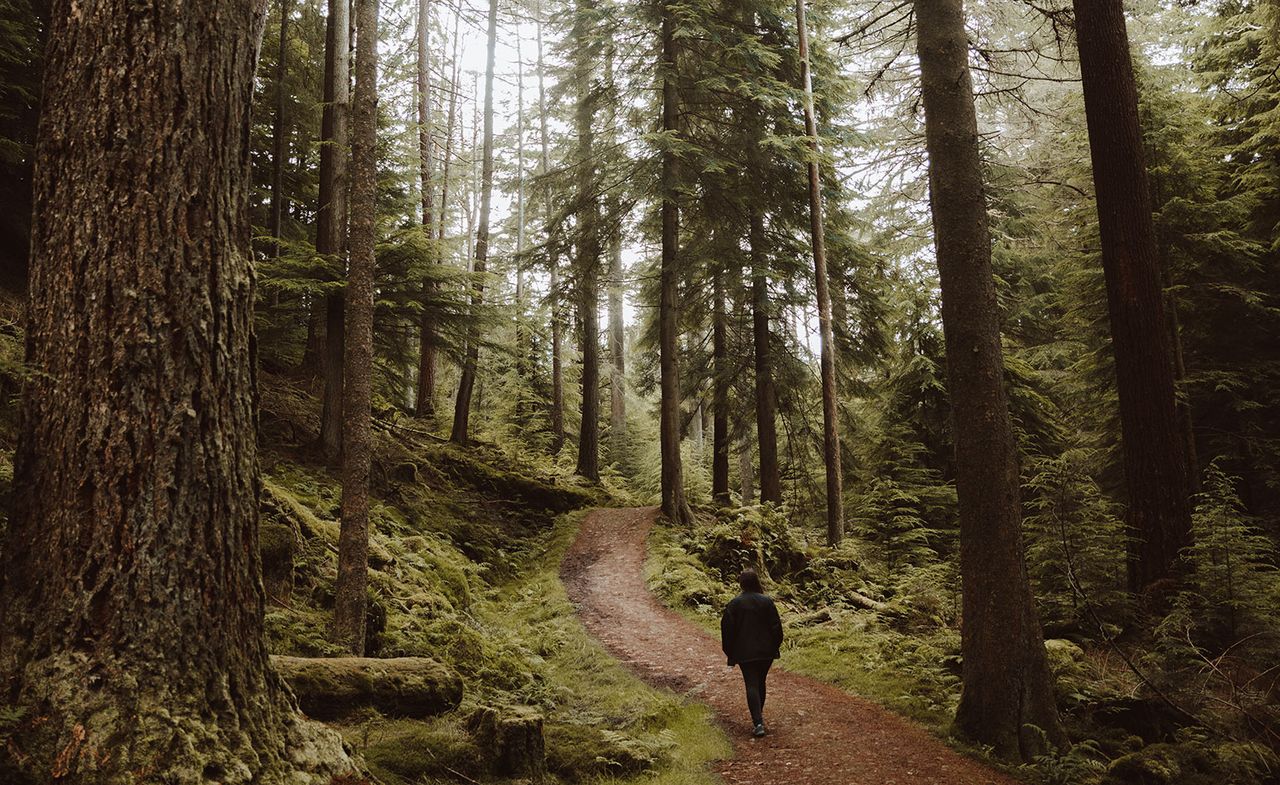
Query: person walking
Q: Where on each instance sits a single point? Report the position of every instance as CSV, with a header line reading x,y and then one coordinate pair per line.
x,y
751,635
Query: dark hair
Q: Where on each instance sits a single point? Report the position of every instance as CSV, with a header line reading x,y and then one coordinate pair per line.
x,y
749,580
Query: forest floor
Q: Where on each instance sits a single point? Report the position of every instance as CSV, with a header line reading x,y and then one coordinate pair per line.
x,y
818,734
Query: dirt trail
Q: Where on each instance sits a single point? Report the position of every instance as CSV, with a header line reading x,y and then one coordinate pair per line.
x,y
818,735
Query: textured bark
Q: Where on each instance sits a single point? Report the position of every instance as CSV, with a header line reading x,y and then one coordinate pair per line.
x,y
1007,687
553,262
587,261
277,128
827,361
424,399
1155,461
331,217
466,385
746,476
617,344
720,394
350,591
674,504
131,597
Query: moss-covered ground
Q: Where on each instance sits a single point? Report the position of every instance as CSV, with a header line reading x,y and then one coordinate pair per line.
x,y
464,568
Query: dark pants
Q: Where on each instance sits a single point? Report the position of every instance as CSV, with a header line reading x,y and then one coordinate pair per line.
x,y
754,674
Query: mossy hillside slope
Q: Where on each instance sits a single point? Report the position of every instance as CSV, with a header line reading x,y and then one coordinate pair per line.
x,y
464,558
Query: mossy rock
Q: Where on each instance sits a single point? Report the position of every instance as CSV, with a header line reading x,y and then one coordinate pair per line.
x,y
1148,717
515,737
409,751
277,542
580,752
525,491
330,688
1067,663
1158,764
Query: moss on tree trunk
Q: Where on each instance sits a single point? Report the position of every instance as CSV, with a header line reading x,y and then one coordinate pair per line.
x,y
131,602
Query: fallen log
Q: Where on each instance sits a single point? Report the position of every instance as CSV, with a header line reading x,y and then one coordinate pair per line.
x,y
329,688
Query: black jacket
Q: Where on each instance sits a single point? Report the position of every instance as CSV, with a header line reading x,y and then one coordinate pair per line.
x,y
750,629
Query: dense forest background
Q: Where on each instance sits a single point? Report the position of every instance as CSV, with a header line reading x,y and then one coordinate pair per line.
x,y
543,329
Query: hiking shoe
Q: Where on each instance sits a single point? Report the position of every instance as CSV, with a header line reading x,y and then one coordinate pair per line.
x,y
759,731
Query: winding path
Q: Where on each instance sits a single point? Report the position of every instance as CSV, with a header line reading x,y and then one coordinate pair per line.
x,y
818,735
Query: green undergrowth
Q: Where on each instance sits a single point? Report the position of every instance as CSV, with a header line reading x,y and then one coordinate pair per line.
x,y
891,635
826,636
465,548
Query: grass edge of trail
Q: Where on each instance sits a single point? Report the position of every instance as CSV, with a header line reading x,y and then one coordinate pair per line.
x,y
590,683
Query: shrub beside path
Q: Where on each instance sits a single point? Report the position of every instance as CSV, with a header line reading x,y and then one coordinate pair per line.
x,y
818,734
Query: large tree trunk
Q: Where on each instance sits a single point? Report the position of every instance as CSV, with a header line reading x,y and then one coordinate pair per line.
x,y
720,393
466,386
830,410
131,597
1155,462
350,598
331,218
553,296
277,129
674,504
424,400
1007,689
588,249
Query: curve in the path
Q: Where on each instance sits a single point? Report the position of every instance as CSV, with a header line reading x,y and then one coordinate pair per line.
x,y
819,735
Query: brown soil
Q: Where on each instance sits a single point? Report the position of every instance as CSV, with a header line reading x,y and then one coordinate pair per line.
x,y
818,734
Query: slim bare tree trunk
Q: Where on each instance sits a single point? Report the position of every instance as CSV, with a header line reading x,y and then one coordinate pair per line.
x,y
766,406
277,129
766,400
617,286
424,401
1155,460
448,136
131,599
674,504
519,151
588,250
473,207
830,409
1007,698
557,328
462,410
350,599
617,345
331,220
720,393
